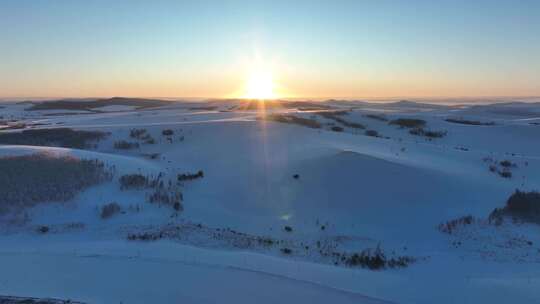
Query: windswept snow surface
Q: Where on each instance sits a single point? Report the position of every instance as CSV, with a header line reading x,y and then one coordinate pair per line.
x,y
351,192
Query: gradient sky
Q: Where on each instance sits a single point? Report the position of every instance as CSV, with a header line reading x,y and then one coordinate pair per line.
x,y
53,48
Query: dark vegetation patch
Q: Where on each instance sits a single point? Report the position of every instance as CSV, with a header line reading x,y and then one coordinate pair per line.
x,y
336,116
376,117
143,135
371,133
14,126
520,206
288,228
89,105
206,108
286,250
292,119
43,229
151,155
337,129
450,226
375,259
59,137
27,300
133,181
428,133
125,145
109,210
325,249
162,192
190,176
137,133
166,197
408,123
507,164
167,132
32,179
470,122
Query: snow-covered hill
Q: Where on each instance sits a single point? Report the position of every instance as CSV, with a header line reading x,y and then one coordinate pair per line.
x,y
279,209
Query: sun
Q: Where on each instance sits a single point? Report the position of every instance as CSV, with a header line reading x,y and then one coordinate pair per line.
x,y
259,85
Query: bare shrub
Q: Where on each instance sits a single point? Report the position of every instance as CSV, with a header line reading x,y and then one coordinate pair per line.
x,y
110,209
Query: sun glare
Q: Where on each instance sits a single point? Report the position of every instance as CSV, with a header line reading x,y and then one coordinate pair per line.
x,y
259,85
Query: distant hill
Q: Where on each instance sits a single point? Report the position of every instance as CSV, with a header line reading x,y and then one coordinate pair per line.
x,y
89,105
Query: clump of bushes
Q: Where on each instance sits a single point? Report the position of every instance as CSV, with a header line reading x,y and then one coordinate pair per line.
x,y
450,226
520,205
190,176
292,119
58,137
469,122
125,145
108,210
288,228
32,179
337,129
408,123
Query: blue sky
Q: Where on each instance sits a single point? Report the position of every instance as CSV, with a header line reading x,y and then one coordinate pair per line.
x,y
312,48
